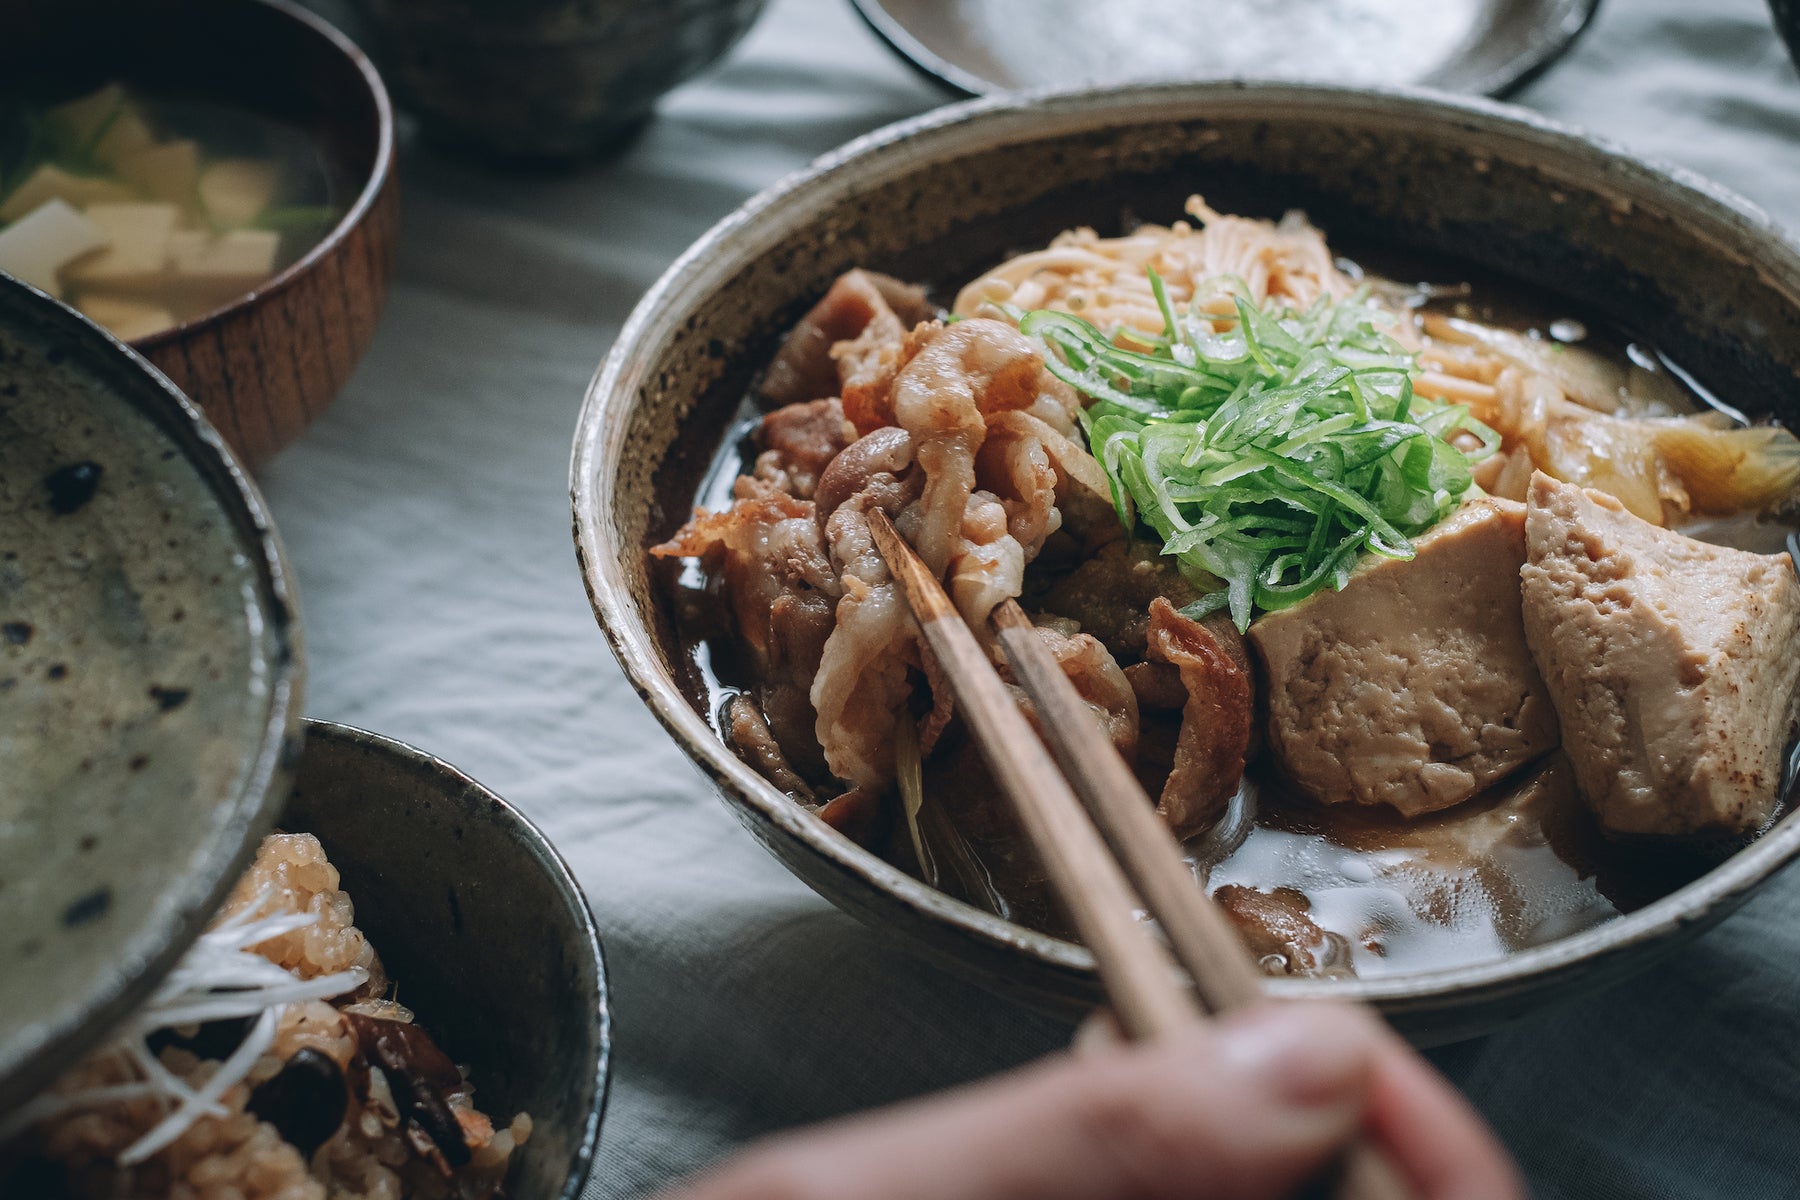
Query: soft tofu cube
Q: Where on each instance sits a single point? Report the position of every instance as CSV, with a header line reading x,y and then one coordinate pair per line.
x,y
1414,686
126,134
210,270
139,249
168,171
81,120
51,182
129,320
38,245
235,191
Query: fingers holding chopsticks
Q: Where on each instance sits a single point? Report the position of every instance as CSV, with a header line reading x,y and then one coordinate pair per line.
x,y
1248,1107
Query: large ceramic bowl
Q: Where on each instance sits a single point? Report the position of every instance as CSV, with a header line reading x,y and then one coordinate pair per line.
x,y
487,934
1665,254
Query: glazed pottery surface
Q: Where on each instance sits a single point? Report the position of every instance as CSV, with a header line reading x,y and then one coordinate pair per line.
x,y
1662,253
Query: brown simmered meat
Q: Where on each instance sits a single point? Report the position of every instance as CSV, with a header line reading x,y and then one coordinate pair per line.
x,y
1278,928
1414,685
1674,664
1109,594
858,303
797,442
782,590
1216,717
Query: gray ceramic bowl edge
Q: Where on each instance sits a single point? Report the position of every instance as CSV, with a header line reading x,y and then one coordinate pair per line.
x,y
418,911
1567,207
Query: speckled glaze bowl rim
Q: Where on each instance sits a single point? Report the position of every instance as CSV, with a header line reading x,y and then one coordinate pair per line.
x,y
530,838
197,896
1548,46
372,187
862,165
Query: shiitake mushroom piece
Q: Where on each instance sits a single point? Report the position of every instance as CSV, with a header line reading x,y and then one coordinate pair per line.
x,y
421,1077
305,1101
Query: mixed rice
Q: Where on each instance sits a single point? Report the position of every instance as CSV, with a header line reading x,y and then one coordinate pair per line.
x,y
337,1095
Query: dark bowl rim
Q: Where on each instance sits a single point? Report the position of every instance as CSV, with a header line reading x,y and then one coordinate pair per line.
x,y
366,198
1603,164
1548,45
264,787
454,779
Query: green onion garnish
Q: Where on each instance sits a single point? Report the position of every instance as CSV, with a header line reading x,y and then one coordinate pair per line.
x,y
1270,455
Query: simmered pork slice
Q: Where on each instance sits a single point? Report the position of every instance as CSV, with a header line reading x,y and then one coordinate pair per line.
x,y
858,304
1414,686
1674,664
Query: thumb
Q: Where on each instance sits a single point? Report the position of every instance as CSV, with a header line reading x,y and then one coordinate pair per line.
x,y
1247,1108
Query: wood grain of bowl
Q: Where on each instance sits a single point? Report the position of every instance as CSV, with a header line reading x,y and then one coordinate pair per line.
x,y
264,366
1656,250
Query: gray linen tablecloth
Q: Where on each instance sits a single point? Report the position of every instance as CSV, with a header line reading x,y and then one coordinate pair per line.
x,y
428,520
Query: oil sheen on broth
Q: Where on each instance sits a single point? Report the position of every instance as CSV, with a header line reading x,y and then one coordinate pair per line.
x,y
1520,867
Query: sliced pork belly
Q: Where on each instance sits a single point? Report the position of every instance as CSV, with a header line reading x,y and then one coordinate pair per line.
x,y
860,304
1413,686
1674,664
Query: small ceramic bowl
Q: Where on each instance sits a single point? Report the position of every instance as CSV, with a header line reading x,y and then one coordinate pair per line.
x,y
545,80
150,676
264,366
488,935
1700,272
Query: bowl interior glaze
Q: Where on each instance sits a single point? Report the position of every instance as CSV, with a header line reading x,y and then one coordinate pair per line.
x,y
1659,252
149,681
484,930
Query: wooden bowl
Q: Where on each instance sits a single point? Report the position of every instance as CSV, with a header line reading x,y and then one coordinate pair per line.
x,y
264,366
486,932
1700,272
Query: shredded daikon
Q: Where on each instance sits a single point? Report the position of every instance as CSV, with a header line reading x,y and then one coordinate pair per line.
x,y
221,977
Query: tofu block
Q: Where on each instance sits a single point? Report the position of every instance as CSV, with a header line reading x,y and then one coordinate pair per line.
x,y
51,182
80,120
168,171
129,320
138,252
209,270
125,135
244,257
1413,686
36,247
1674,664
235,191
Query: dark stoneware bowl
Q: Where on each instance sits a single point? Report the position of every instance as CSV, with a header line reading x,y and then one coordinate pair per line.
x,y
265,365
149,681
1787,21
488,935
1673,258
545,80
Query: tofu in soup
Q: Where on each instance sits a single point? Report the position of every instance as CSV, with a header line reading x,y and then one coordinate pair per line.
x,y
1413,686
1674,664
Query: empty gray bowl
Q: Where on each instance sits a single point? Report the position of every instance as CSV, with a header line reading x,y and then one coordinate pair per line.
x,y
488,936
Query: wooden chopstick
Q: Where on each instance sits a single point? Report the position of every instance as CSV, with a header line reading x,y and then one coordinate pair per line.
x,y
1205,943
1134,967
1139,976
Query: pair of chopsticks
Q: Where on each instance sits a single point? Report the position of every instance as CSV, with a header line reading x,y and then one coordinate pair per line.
x,y
1146,994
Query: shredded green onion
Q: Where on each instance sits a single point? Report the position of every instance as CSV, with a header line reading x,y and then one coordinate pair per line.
x,y
1270,455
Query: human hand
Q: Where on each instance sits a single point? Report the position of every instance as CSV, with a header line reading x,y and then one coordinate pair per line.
x,y
1248,1107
